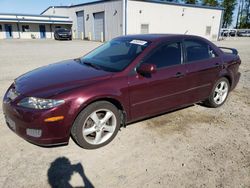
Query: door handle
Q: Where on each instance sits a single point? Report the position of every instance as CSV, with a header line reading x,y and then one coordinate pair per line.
x,y
179,75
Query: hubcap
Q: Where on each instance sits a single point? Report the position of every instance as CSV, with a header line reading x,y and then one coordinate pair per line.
x,y
220,93
99,126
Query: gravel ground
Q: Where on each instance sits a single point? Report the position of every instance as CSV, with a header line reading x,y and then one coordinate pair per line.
x,y
192,147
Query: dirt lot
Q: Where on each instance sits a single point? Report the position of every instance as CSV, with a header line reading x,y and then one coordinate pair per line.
x,y
192,147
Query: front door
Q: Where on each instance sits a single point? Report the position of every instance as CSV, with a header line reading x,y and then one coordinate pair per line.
x,y
162,90
8,31
42,31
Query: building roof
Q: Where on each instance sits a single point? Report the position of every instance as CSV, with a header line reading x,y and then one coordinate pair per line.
x,y
148,1
31,18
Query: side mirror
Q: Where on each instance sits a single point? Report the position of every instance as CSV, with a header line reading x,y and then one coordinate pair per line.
x,y
146,69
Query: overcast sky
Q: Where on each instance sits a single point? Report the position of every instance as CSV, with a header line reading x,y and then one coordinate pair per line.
x,y
33,6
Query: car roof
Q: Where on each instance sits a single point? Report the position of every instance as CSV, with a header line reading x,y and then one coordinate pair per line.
x,y
157,37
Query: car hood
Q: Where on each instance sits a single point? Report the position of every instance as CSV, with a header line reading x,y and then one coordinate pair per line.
x,y
57,78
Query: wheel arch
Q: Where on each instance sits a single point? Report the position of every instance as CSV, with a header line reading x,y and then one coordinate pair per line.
x,y
113,101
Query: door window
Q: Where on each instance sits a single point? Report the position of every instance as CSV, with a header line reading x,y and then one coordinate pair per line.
x,y
1,29
166,55
198,50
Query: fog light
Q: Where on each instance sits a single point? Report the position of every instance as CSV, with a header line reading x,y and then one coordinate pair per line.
x,y
34,132
53,119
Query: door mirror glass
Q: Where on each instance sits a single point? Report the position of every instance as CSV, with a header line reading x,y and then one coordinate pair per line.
x,y
146,69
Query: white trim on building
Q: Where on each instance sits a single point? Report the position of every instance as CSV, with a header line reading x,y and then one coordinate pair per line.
x,y
27,26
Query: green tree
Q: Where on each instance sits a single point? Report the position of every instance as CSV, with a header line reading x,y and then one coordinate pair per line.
x,y
213,3
229,6
190,1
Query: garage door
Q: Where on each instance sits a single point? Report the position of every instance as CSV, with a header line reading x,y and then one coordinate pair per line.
x,y
99,26
80,24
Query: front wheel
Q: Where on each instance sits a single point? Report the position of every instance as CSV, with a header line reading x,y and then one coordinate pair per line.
x,y
219,93
96,125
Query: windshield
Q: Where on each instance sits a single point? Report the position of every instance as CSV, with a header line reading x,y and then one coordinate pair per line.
x,y
116,55
62,30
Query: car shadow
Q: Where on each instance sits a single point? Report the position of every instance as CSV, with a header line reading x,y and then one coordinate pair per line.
x,y
60,172
161,114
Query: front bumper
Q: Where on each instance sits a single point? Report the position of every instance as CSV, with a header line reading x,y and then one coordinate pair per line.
x,y
64,36
29,124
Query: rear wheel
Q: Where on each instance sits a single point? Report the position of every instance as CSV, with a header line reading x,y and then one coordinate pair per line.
x,y
96,125
219,93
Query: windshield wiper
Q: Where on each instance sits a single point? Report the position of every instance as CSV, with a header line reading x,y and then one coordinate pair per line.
x,y
92,65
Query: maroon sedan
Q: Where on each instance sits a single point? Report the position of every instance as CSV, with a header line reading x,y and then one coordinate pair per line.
x,y
124,80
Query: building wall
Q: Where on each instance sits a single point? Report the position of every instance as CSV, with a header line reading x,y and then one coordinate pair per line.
x,y
14,30
57,12
113,17
165,18
34,31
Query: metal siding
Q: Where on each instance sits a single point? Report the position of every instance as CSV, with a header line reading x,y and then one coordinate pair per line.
x,y
98,26
113,18
190,20
80,24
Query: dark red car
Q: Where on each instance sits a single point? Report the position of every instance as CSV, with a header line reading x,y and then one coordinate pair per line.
x,y
125,80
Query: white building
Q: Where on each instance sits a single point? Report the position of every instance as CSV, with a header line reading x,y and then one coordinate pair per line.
x,y
106,19
26,26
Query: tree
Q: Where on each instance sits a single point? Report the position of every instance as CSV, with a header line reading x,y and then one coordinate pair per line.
x,y
213,3
229,6
243,17
190,1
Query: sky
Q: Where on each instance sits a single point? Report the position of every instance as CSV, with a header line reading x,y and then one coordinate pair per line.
x,y
37,6
33,6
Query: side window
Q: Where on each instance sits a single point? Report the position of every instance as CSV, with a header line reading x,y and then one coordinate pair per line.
x,y
198,50
212,53
166,55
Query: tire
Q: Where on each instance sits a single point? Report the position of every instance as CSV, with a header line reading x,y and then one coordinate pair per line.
x,y
100,121
219,93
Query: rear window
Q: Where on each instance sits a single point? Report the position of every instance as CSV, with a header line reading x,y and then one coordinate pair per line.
x,y
198,50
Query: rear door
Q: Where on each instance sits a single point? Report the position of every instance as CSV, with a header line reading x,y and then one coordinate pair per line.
x,y
203,67
160,91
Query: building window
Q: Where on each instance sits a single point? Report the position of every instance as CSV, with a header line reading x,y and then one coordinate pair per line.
x,y
208,30
144,28
1,29
25,28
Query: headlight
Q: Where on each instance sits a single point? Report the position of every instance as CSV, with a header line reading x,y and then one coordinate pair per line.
x,y
37,103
